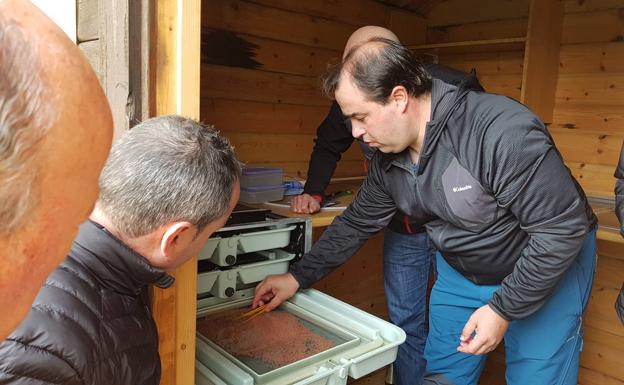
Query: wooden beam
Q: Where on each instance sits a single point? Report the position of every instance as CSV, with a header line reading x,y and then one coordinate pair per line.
x,y
484,30
87,28
265,118
458,12
177,56
140,104
355,12
222,82
114,61
272,23
593,27
541,57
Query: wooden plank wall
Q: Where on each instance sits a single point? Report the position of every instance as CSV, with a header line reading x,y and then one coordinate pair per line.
x,y
102,35
88,35
588,124
588,127
261,60
500,72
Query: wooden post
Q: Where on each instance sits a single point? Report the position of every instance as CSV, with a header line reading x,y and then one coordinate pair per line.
x,y
541,57
114,60
177,58
140,32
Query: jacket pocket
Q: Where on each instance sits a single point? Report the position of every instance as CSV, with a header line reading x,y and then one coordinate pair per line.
x,y
472,207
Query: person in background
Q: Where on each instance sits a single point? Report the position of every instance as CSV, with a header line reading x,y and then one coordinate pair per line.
x,y
515,235
408,253
619,211
168,184
55,134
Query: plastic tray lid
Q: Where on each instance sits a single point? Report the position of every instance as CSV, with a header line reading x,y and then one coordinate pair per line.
x,y
261,170
277,187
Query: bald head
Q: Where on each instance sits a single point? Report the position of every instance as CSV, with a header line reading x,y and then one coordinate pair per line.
x,y
366,33
55,133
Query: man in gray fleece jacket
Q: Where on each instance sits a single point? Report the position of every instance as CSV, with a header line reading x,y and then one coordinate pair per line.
x,y
514,232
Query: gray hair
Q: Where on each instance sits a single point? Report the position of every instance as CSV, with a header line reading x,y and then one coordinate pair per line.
x,y
167,169
27,112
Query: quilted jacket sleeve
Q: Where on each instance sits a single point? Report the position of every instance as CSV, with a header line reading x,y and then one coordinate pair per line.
x,y
29,364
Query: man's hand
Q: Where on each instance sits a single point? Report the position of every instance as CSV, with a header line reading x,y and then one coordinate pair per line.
x,y
483,332
305,204
274,290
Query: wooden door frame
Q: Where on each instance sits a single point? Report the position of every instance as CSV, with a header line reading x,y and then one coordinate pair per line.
x,y
175,57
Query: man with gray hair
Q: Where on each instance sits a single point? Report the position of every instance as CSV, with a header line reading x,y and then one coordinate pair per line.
x,y
55,134
168,184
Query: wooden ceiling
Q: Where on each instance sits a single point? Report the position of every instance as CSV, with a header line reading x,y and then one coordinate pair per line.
x,y
422,7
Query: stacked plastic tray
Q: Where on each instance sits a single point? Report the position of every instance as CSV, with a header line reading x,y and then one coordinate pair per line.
x,y
261,184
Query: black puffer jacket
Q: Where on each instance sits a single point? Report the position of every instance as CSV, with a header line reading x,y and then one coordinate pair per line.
x,y
91,322
509,211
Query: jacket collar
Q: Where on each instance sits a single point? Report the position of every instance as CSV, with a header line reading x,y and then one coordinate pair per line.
x,y
115,264
442,99
445,98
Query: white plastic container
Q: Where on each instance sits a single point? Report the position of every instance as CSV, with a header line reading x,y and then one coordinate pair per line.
x,y
261,176
372,344
261,194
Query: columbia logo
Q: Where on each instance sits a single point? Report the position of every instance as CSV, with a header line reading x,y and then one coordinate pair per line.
x,y
462,188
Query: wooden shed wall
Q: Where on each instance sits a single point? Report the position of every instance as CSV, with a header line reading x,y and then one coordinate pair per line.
x,y
499,69
588,121
261,61
588,124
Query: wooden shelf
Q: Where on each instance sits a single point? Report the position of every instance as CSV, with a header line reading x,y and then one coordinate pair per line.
x,y
506,44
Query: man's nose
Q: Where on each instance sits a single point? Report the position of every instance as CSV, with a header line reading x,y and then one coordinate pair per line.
x,y
356,130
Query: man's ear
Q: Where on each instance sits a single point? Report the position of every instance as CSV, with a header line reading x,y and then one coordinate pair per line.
x,y
176,239
400,97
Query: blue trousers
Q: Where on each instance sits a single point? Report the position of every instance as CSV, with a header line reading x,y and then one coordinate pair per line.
x,y
408,259
543,348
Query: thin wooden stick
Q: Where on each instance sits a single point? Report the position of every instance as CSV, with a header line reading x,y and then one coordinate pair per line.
x,y
255,315
254,312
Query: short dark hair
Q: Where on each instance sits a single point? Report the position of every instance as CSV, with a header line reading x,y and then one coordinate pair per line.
x,y
376,67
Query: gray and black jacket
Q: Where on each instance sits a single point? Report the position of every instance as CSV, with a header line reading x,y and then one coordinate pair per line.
x,y
333,138
503,206
91,323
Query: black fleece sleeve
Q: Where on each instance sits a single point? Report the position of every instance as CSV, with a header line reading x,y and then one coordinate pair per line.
x,y
370,212
619,191
333,138
528,176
